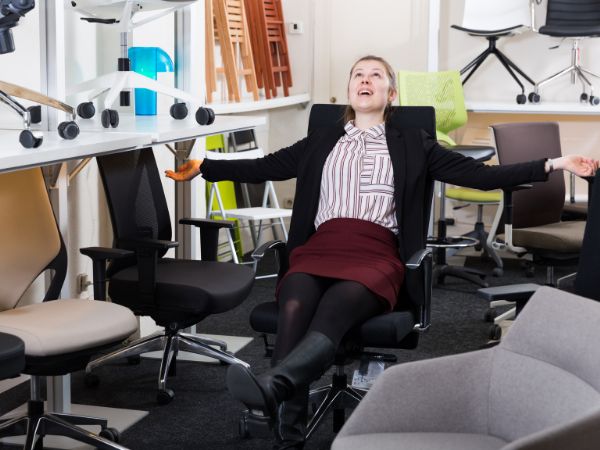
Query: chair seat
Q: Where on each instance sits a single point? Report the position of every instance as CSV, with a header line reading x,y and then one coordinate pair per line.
x,y
570,31
484,33
12,356
67,325
474,195
386,330
421,441
258,213
560,237
191,287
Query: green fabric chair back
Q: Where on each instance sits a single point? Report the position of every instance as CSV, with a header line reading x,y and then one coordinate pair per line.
x,y
443,91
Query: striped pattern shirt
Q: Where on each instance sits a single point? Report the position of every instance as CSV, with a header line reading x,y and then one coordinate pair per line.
x,y
358,179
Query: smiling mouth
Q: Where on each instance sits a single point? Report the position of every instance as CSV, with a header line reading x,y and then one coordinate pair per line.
x,y
365,92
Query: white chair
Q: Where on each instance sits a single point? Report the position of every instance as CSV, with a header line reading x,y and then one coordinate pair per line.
x,y
125,15
256,217
493,19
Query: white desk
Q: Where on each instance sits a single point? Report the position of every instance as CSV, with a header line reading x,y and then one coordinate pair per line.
x,y
547,107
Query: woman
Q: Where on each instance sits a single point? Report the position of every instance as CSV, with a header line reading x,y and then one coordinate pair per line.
x,y
352,226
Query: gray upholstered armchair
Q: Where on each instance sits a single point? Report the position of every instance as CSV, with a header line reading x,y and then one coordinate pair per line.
x,y
538,389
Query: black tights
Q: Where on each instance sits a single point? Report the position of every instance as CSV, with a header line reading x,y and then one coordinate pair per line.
x,y
329,306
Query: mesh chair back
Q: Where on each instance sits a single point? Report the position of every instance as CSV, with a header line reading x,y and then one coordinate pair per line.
x,y
492,15
520,142
573,13
135,197
442,90
30,240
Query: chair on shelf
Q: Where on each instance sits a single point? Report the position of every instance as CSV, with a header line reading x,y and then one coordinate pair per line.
x,y
124,14
60,336
538,389
443,91
175,293
532,217
493,20
399,329
573,20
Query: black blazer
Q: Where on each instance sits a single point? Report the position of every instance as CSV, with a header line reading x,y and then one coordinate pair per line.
x,y
416,159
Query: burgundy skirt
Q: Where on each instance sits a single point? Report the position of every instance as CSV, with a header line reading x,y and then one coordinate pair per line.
x,y
353,249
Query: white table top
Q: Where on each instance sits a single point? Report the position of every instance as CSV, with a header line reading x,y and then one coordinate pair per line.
x,y
546,107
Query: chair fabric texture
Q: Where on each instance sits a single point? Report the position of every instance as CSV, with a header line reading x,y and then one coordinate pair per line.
x,y
538,389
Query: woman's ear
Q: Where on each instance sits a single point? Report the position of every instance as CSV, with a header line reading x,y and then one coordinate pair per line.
x,y
393,95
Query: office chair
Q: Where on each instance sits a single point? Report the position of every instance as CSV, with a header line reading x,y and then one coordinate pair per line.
x,y
399,329
573,20
443,91
60,336
10,13
176,293
124,15
12,356
493,20
538,389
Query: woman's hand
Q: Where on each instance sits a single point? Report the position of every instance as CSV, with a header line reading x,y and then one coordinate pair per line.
x,y
186,171
579,165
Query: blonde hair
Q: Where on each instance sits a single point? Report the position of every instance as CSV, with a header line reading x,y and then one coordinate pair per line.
x,y
349,113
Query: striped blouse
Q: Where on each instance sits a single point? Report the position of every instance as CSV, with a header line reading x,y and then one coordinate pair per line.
x,y
358,179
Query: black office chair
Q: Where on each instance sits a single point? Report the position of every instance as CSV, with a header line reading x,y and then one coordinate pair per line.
x,y
574,20
399,329
60,336
176,293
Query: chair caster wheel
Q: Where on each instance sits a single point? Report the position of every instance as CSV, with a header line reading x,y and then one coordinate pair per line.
x,y
498,272
68,130
205,116
583,98
489,315
35,113
495,332
243,430
110,118
91,380
534,97
178,111
134,360
86,110
112,434
29,140
165,396
594,100
521,99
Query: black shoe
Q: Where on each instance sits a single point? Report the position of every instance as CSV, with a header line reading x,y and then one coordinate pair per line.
x,y
292,416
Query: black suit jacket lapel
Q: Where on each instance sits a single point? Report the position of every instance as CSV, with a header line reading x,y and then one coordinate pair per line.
x,y
398,155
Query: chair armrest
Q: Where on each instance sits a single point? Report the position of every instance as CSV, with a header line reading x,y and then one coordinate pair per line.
x,y
276,245
418,279
209,235
478,153
148,244
99,256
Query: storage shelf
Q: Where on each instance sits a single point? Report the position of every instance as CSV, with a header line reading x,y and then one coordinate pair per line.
x,y
260,105
554,108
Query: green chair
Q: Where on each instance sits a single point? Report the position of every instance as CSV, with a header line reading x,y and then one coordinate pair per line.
x,y
443,91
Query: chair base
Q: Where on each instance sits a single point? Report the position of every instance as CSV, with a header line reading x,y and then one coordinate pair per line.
x,y
170,343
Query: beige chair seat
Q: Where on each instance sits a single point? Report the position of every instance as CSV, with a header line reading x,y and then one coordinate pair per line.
x,y
421,441
560,237
67,325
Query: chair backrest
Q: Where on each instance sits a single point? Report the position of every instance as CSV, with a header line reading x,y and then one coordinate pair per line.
x,y
573,13
442,90
546,371
492,15
520,142
29,237
135,197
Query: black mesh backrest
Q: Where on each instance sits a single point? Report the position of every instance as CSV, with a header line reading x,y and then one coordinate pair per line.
x,y
520,142
135,197
586,282
583,13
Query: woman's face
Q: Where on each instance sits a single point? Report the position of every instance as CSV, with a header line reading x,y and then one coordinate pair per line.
x,y
369,89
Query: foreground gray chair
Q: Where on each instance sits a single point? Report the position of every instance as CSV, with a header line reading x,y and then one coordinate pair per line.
x,y
538,389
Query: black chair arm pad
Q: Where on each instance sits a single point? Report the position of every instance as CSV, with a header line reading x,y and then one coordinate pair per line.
x,y
418,258
105,253
259,252
207,223
149,244
518,187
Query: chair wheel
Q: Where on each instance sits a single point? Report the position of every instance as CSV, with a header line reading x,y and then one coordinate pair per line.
x,y
165,396
35,113
594,100
490,314
134,360
534,97
497,272
178,111
495,332
86,110
205,116
110,118
68,130
521,99
583,98
91,380
243,430
29,140
112,434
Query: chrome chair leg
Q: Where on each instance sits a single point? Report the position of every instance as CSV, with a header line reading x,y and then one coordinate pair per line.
x,y
147,344
57,426
200,348
205,340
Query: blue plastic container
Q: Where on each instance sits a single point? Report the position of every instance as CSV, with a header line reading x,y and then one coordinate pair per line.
x,y
148,61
